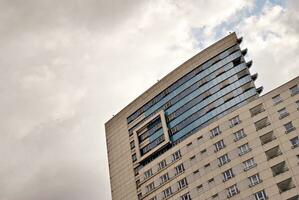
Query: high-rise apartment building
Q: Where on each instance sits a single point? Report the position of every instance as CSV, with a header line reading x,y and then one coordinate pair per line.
x,y
204,132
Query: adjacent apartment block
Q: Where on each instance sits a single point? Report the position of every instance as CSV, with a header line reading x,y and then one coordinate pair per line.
x,y
204,132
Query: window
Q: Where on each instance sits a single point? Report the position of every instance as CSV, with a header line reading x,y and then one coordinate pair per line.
x,y
289,127
235,121
294,90
214,196
277,99
255,179
176,155
211,180
260,195
180,168
248,164
134,157
153,198
189,144
223,159
283,113
182,183
203,151
244,149
256,110
207,165
232,191
199,187
219,145
148,173
228,174
196,171
200,137
239,135
192,158
167,192
162,164
164,178
295,142
150,187
297,103
215,131
132,144
186,196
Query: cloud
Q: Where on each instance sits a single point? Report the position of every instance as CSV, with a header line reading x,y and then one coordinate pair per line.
x,y
273,39
67,66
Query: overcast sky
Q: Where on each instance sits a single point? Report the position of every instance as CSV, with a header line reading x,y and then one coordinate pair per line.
x,y
66,66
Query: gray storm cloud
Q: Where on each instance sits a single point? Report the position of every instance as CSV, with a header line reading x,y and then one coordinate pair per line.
x,y
67,66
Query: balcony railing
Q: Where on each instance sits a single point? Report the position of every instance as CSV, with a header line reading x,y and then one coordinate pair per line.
x,y
290,130
284,115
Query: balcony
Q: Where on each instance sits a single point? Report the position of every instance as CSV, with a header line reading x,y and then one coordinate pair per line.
x,y
272,153
294,198
285,185
268,137
256,110
283,115
290,130
295,146
279,168
262,124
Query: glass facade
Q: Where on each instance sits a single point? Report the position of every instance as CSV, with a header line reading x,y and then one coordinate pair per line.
x,y
205,94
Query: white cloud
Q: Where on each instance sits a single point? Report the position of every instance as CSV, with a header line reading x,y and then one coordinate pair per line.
x,y
273,39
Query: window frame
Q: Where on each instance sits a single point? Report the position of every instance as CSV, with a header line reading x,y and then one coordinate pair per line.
x,y
234,121
215,131
164,178
219,145
243,149
254,180
239,135
228,174
183,183
232,190
148,173
249,163
180,168
262,193
223,160
162,164
150,187
176,155
186,196
167,192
